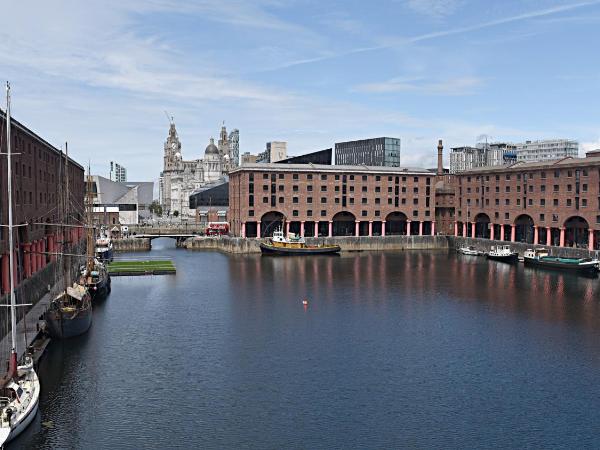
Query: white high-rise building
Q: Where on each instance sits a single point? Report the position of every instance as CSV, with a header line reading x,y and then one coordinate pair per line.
x,y
274,151
466,158
545,150
118,173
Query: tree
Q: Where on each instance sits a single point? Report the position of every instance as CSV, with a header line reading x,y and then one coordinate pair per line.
x,y
156,208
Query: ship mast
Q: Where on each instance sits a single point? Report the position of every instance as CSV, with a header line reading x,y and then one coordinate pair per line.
x,y
90,230
12,368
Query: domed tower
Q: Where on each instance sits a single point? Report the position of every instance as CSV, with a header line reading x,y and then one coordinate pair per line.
x,y
172,163
171,149
212,162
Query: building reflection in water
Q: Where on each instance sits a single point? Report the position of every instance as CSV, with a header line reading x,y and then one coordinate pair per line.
x,y
377,278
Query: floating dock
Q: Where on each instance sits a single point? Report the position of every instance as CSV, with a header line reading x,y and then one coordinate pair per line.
x,y
123,268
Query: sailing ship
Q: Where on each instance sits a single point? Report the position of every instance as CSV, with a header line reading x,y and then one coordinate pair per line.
x,y
94,275
502,253
540,258
293,244
70,312
20,387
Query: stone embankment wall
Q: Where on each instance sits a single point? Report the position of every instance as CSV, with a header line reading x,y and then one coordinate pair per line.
x,y
242,245
485,244
132,245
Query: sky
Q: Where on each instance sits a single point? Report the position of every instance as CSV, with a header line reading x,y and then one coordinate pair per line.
x,y
102,74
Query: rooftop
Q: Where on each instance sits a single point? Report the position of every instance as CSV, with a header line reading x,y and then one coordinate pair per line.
x,y
521,166
274,167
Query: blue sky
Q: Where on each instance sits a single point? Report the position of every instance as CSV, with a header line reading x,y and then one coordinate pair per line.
x,y
101,74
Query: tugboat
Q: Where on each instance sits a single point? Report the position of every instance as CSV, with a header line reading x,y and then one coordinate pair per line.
x,y
294,245
503,253
540,258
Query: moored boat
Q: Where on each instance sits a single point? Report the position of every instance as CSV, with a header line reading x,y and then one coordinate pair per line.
x,y
97,280
470,250
104,249
294,245
540,258
70,313
20,387
503,253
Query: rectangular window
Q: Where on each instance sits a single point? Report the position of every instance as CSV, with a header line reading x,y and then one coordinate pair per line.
x,y
542,217
295,176
309,212
323,188
295,200
364,178
323,199
308,199
295,213
364,213
555,202
295,188
323,213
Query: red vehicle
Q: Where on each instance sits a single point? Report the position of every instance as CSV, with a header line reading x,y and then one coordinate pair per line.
x,y
217,228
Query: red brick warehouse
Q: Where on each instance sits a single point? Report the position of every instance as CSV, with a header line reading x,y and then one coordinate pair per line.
x,y
37,168
549,203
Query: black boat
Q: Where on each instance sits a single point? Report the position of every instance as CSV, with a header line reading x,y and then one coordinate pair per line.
x,y
540,258
503,253
97,280
70,313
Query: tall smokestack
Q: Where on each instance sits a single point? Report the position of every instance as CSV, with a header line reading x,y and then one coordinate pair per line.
x,y
440,168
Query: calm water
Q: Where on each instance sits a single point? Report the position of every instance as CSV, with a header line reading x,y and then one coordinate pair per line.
x,y
394,350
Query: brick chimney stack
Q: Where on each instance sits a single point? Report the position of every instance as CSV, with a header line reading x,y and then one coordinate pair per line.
x,y
440,167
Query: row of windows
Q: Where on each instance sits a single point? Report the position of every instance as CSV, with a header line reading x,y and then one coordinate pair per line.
x,y
556,188
309,188
569,202
530,176
309,200
309,213
324,177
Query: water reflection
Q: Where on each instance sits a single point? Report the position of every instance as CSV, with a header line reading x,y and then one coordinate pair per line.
x,y
378,278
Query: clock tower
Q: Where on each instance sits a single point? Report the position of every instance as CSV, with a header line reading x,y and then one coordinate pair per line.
x,y
172,163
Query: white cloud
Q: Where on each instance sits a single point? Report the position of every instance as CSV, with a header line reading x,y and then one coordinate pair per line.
x,y
434,8
453,86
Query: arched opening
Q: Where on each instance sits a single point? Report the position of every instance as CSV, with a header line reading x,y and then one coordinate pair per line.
x,y
344,224
576,232
524,229
269,222
395,224
482,226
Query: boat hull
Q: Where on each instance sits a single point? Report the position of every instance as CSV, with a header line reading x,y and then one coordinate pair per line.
x,y
7,434
587,269
101,290
105,256
513,258
268,249
63,325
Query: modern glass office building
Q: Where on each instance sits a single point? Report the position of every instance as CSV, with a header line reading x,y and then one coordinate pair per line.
x,y
382,151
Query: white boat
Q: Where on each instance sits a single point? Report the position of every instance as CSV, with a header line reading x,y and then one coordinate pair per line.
x,y
503,253
104,249
470,250
20,387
